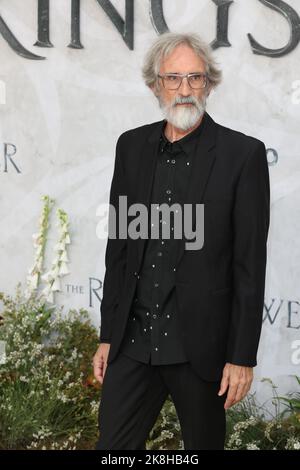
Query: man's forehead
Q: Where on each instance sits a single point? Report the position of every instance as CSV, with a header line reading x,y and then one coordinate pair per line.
x,y
180,57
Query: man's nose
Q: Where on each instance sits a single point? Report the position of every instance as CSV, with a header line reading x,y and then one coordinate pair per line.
x,y
185,88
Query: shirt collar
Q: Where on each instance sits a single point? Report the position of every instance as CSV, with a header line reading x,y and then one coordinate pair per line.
x,y
185,143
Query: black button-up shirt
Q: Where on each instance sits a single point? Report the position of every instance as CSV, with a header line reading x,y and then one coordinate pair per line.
x,y
153,331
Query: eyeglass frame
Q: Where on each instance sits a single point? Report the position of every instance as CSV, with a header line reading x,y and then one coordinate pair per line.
x,y
182,76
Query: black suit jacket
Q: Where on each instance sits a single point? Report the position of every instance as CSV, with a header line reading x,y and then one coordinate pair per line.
x,y
219,288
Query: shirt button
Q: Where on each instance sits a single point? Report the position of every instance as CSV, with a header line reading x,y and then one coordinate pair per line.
x,y
159,253
168,161
132,340
156,284
153,265
157,305
168,191
145,329
187,163
173,160
166,333
156,349
147,313
133,318
174,269
150,327
154,316
168,316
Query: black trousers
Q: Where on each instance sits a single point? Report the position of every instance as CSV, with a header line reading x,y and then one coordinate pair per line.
x,y
133,394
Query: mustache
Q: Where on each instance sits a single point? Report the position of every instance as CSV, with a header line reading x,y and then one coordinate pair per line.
x,y
183,100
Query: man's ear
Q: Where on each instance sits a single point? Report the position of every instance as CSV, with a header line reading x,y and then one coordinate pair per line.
x,y
155,89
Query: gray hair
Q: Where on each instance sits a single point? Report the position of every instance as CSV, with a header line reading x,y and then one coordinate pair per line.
x,y
166,43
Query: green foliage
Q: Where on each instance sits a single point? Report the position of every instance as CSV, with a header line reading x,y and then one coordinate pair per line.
x,y
252,426
166,434
48,396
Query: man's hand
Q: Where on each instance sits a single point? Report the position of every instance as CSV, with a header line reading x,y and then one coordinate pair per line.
x,y
100,361
239,380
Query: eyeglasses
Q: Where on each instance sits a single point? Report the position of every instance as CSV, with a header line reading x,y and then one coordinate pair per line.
x,y
172,81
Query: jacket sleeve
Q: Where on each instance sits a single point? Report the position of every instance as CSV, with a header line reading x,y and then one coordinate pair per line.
x,y
251,217
115,254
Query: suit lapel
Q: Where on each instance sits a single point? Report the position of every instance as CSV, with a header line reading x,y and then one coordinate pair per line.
x,y
202,166
148,160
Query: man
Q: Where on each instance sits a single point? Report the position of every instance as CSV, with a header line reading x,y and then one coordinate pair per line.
x,y
177,320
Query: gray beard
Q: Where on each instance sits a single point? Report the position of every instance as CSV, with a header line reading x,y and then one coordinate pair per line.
x,y
183,117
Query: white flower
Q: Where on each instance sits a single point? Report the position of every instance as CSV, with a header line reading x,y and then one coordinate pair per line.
x,y
50,297
55,271
59,267
33,280
47,276
74,353
39,250
64,269
23,379
252,446
64,257
56,285
59,247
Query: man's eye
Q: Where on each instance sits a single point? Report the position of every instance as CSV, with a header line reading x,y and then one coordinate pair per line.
x,y
172,78
196,78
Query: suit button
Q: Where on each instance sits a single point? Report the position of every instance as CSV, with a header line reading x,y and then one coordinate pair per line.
x,y
136,275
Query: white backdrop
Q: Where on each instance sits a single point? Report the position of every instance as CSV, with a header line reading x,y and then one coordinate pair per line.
x,y
65,113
